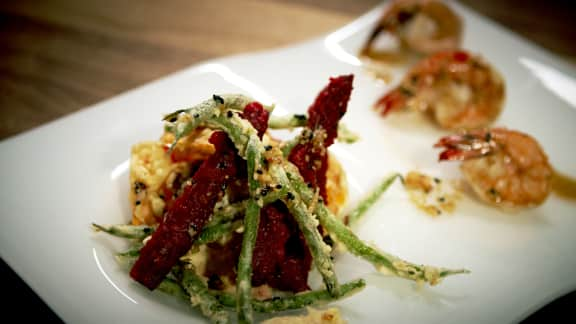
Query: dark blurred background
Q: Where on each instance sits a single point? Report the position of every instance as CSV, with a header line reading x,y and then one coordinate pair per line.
x,y
58,56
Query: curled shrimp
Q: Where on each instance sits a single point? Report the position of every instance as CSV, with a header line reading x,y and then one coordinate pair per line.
x,y
503,167
421,26
458,90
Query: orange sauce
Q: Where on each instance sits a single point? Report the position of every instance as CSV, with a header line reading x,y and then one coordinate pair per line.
x,y
563,185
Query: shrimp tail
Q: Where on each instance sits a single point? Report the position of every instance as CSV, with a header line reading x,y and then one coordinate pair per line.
x,y
466,146
451,141
393,101
451,154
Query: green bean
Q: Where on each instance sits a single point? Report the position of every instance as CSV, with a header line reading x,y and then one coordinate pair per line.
x,y
130,253
302,204
287,146
226,213
126,260
185,120
370,200
251,221
240,131
320,251
210,113
300,300
173,288
287,121
308,298
206,107
345,135
230,212
276,304
125,231
308,224
213,233
383,262
200,296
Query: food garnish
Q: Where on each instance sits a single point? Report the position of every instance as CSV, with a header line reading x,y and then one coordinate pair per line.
x,y
356,214
433,195
243,230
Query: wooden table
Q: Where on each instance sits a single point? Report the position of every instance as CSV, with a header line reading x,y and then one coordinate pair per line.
x,y
58,56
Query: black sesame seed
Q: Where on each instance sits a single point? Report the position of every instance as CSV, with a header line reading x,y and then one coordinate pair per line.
x,y
268,147
488,137
300,117
138,202
290,196
196,115
229,114
264,191
173,119
139,186
441,199
278,186
218,99
328,240
259,171
437,180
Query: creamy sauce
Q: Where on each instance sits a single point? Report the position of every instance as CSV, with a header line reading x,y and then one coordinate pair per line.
x,y
328,316
379,64
390,57
563,185
432,195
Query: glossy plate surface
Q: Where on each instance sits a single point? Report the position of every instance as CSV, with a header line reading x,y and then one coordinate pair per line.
x,y
59,178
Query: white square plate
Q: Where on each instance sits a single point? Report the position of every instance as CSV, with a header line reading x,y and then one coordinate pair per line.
x,y
59,178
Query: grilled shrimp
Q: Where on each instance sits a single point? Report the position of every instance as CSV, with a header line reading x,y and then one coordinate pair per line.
x,y
504,167
421,26
457,89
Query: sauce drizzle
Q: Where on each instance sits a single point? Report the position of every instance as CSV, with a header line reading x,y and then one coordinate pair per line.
x,y
563,185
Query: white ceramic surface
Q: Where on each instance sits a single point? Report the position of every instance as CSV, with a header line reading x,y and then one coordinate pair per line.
x,y
59,178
